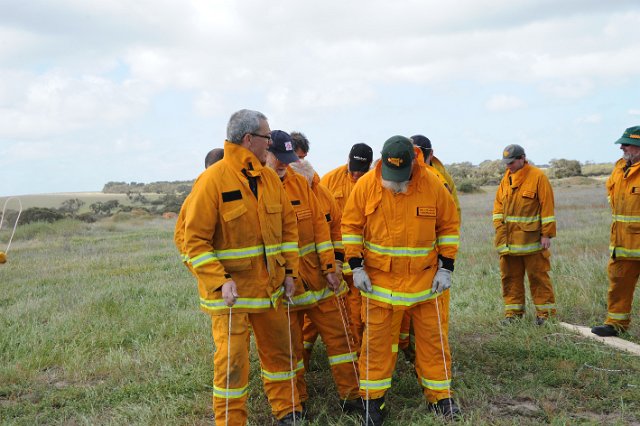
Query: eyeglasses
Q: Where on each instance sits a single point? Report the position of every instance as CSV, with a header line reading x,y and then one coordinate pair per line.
x,y
267,137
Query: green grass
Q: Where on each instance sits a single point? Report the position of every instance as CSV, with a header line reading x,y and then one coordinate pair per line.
x,y
99,324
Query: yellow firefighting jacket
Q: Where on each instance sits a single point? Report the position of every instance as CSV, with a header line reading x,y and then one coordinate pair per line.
x,y
441,173
623,190
401,236
178,235
437,164
523,211
340,183
232,234
314,241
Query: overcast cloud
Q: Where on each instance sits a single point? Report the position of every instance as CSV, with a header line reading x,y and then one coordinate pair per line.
x,y
140,90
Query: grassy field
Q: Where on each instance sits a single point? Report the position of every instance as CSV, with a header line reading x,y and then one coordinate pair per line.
x,y
99,324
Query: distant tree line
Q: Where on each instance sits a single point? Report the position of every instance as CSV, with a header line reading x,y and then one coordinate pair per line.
x,y
162,187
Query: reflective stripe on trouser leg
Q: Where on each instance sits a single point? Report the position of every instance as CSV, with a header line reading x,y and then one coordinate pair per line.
x,y
429,364
538,267
235,394
271,332
327,320
354,303
377,348
512,276
623,278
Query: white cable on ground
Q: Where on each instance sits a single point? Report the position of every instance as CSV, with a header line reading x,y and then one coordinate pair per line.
x,y
367,365
293,395
343,317
15,225
226,408
444,360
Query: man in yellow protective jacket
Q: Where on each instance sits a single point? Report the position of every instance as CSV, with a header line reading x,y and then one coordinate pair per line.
x,y
212,157
623,189
340,181
524,222
317,279
242,242
400,231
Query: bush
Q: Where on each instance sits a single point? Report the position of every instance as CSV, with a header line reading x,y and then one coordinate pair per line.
x,y
468,186
565,168
40,214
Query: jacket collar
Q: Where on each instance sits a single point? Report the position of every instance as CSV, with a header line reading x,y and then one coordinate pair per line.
x,y
240,158
518,177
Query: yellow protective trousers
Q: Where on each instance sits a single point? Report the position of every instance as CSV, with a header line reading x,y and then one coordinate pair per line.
x,y
354,303
310,331
272,340
623,277
380,347
327,319
537,267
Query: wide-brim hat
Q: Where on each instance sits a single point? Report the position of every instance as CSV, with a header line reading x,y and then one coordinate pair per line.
x,y
631,136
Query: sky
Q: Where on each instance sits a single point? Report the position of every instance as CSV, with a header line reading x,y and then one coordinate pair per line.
x,y
140,90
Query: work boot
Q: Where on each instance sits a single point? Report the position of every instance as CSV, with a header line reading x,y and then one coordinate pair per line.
x,y
541,320
377,412
510,320
447,408
605,330
353,406
290,419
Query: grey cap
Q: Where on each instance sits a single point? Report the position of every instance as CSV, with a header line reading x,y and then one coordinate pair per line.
x,y
511,152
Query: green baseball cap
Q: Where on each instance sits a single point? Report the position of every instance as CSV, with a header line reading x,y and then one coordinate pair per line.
x,y
631,136
511,152
397,159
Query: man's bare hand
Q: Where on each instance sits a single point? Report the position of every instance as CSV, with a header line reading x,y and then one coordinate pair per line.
x,y
229,293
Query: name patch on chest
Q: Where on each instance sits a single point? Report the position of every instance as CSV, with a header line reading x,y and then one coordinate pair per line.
x,y
231,196
426,212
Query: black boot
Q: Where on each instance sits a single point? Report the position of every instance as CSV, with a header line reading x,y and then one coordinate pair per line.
x,y
377,412
290,419
605,330
353,406
447,408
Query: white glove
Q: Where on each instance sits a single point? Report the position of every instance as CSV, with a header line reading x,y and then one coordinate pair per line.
x,y
361,279
442,280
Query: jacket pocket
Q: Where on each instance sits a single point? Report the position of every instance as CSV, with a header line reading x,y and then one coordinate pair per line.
x,y
236,265
234,213
236,230
274,220
530,226
633,228
377,261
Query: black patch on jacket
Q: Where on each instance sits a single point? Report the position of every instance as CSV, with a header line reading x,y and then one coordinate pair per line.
x,y
328,217
231,196
295,202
